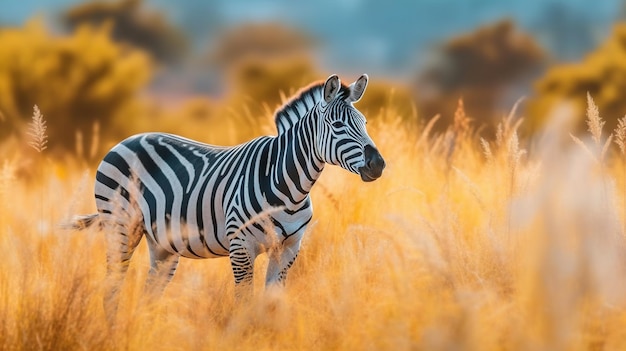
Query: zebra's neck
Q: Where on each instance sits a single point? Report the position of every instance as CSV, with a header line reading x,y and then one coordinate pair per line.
x,y
298,106
297,163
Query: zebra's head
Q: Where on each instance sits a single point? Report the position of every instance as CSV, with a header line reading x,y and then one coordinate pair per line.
x,y
342,138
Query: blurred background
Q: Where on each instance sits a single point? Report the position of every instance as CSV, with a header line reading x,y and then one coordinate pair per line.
x,y
215,70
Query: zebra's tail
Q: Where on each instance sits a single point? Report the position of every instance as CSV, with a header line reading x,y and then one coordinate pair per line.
x,y
81,222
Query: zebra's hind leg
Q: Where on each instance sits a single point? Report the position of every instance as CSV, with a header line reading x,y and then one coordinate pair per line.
x,y
122,240
162,269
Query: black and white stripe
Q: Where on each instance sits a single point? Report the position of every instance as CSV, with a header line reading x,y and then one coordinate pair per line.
x,y
200,201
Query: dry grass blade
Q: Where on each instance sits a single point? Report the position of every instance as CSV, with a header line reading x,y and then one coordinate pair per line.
x,y
473,188
461,120
37,131
594,121
505,130
514,109
517,124
584,147
515,152
500,134
620,135
486,149
428,129
605,148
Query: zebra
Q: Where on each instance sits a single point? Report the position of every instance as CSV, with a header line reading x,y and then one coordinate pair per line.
x,y
195,200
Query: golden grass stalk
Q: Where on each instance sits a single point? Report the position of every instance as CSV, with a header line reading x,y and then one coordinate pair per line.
x,y
459,132
473,188
37,131
594,121
584,147
514,109
605,148
515,152
506,127
595,125
427,130
620,135
486,150
461,120
620,140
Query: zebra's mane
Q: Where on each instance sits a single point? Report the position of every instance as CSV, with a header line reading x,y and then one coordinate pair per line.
x,y
300,103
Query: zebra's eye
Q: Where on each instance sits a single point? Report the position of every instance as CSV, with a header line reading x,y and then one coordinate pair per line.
x,y
338,124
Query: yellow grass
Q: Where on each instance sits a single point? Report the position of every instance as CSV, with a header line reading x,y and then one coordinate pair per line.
x,y
463,244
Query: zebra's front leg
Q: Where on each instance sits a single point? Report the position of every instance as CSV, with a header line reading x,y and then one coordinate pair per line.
x,y
281,258
242,257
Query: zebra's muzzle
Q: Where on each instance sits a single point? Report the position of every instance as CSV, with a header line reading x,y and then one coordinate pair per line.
x,y
374,164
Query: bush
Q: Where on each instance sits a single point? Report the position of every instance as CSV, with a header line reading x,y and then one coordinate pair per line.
x,y
258,85
601,74
76,80
133,24
479,67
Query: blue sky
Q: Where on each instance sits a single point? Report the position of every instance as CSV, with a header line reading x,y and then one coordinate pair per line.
x,y
390,36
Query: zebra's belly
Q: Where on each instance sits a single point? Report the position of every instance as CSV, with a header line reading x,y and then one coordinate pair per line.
x,y
198,254
190,242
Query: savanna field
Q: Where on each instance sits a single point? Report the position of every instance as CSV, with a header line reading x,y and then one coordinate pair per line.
x,y
465,243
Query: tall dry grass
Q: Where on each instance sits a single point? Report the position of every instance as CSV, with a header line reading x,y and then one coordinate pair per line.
x,y
463,244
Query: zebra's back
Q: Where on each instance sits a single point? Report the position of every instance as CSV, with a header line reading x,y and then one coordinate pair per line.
x,y
174,186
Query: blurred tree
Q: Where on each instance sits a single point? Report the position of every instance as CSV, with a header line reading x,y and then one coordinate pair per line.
x,y
261,86
76,81
149,31
261,61
266,62
602,73
477,67
258,42
389,99
258,85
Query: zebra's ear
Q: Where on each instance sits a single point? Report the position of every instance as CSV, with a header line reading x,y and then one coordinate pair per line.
x,y
331,88
358,88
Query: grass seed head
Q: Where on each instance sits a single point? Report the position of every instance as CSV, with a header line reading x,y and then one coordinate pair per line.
x,y
620,135
37,131
594,121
